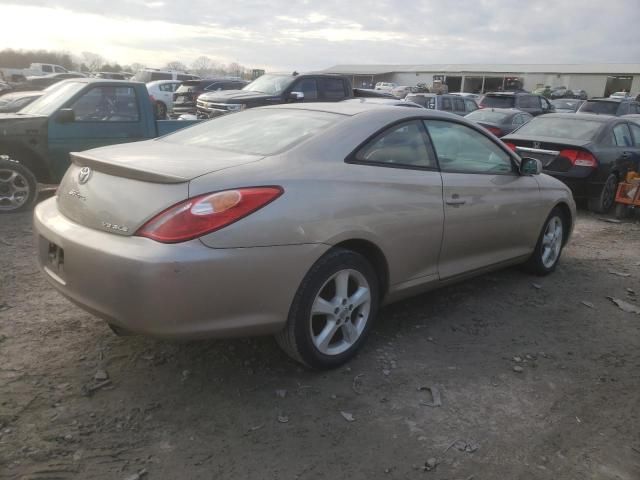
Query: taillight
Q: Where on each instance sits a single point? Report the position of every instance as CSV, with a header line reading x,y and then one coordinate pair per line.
x,y
206,213
511,146
495,131
580,158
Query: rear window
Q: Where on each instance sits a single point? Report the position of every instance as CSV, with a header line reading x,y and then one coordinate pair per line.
x,y
256,132
498,101
565,104
570,128
487,116
605,108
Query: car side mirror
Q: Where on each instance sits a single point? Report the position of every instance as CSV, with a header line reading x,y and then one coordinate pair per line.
x,y
296,96
530,166
66,115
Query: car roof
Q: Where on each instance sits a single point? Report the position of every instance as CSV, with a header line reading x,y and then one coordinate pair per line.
x,y
23,93
609,99
501,110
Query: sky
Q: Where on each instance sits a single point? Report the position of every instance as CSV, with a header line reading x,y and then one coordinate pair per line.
x,y
315,34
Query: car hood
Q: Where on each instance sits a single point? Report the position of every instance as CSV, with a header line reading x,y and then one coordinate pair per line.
x,y
234,96
160,161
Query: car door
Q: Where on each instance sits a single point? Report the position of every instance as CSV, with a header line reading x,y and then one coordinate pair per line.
x,y
398,170
104,115
625,150
491,212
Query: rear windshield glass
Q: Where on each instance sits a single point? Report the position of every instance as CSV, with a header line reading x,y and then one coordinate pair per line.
x,y
574,129
498,101
565,104
605,108
257,132
487,116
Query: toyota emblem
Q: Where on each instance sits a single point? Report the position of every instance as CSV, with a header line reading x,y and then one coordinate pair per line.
x,y
84,175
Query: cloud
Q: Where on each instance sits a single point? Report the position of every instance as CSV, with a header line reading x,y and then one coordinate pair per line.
x,y
285,35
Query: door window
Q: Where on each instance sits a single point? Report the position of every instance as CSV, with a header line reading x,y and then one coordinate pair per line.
x,y
107,104
446,104
166,87
59,70
401,145
529,101
333,88
47,68
471,105
309,87
458,104
622,135
624,109
635,129
464,150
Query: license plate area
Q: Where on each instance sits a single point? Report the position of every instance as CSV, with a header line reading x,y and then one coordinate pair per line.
x,y
54,262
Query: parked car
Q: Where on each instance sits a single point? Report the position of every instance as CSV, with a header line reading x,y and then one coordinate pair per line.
x,y
566,105
610,106
544,91
476,97
590,153
401,91
500,121
14,101
161,92
446,102
147,75
279,88
579,93
622,95
185,97
560,92
35,69
350,205
527,102
5,88
386,86
39,83
389,102
72,116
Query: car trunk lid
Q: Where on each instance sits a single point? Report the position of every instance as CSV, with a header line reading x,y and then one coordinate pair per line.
x,y
119,188
547,150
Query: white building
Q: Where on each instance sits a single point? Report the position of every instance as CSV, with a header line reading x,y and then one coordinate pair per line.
x,y
597,79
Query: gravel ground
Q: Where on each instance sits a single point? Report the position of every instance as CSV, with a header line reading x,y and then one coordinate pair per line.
x,y
533,383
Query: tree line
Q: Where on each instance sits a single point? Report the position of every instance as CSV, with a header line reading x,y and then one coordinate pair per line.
x,y
93,62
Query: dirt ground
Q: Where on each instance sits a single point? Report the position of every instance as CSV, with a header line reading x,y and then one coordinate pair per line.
x,y
240,409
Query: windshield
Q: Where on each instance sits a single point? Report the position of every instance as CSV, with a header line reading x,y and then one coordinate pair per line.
x,y
53,99
605,108
487,116
270,84
498,101
257,132
568,128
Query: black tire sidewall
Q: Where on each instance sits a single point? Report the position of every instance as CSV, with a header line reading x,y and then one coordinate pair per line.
x,y
16,166
598,204
301,309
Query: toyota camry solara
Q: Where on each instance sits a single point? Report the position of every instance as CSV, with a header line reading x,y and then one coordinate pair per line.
x,y
294,220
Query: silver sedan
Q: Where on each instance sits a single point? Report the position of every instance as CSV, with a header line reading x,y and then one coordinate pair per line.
x,y
295,220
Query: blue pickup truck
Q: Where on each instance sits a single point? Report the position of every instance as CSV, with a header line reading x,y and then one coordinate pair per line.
x,y
73,115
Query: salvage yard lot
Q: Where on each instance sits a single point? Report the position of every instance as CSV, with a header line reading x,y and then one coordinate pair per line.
x,y
237,409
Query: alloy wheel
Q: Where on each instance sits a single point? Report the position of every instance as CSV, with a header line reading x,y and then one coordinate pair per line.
x,y
552,242
14,189
340,312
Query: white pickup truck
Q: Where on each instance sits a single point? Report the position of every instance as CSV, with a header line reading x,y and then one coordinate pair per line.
x,y
34,70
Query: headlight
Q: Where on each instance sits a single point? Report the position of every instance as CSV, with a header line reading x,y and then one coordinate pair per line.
x,y
235,107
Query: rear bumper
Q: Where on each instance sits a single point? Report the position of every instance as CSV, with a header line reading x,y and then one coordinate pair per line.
x,y
182,290
177,111
581,180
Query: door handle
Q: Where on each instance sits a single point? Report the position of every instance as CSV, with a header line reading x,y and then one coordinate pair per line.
x,y
626,155
455,200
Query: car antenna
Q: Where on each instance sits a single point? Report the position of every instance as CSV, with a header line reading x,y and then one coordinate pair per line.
x,y
295,74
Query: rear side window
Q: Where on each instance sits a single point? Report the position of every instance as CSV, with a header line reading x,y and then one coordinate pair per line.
x,y
446,104
458,104
256,132
528,101
333,88
160,76
498,101
622,135
403,145
167,87
47,68
471,105
461,149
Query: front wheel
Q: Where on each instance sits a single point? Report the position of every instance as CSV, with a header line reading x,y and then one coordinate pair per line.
x,y
603,202
18,186
546,255
332,311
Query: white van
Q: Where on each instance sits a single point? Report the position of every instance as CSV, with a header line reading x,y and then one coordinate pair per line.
x,y
147,75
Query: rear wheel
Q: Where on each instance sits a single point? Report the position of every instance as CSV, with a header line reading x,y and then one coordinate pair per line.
x,y
18,186
332,311
547,253
607,197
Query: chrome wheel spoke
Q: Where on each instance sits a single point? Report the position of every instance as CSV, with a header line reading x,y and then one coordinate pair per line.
x,y
361,296
350,332
342,284
322,307
323,340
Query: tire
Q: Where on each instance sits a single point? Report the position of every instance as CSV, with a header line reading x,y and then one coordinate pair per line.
x,y
18,186
342,320
622,211
550,242
603,202
161,111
